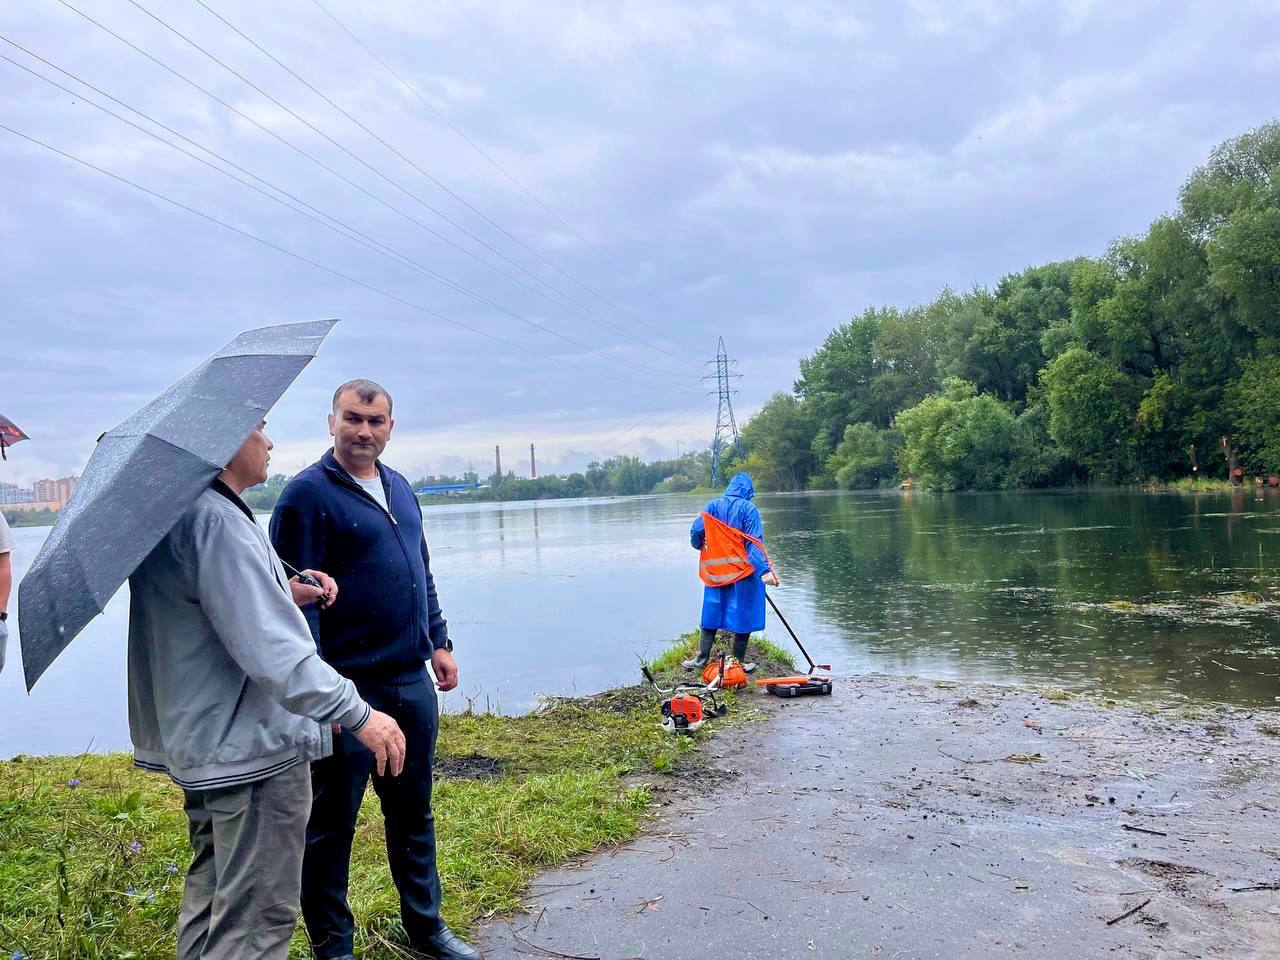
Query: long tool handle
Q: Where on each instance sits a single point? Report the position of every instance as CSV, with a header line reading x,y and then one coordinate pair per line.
x,y
812,666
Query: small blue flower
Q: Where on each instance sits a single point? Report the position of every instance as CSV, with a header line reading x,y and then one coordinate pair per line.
x,y
131,891
135,846
73,782
171,868
150,897
18,955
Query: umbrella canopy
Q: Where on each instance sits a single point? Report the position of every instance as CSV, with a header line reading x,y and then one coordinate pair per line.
x,y
9,435
142,477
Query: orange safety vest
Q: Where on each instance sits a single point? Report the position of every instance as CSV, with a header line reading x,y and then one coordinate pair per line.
x,y
724,553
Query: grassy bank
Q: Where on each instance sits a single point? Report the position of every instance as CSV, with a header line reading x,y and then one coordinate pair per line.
x,y
93,851
1193,484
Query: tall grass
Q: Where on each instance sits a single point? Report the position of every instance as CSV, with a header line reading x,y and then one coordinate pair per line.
x,y
93,851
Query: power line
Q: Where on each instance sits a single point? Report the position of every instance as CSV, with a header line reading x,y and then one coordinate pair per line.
x,y
310,262
475,146
479,213
358,159
637,433
342,229
320,163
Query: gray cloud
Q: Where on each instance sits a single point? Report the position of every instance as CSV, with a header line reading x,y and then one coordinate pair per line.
x,y
754,169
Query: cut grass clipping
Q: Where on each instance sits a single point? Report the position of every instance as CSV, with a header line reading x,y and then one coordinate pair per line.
x,y
93,851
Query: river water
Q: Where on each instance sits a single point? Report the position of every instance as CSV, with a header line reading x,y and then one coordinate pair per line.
x,y
1161,597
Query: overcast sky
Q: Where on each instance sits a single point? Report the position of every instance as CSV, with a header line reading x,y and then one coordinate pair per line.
x,y
757,170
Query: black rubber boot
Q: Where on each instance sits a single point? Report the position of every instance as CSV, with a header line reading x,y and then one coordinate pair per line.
x,y
704,651
740,652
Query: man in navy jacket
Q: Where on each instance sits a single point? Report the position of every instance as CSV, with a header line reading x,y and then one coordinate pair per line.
x,y
355,518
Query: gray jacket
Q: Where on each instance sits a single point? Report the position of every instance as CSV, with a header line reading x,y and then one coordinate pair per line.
x,y
225,684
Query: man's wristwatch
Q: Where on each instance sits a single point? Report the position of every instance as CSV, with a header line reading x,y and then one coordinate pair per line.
x,y
4,615
448,644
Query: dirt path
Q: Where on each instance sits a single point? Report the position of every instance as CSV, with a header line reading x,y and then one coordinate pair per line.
x,y
887,822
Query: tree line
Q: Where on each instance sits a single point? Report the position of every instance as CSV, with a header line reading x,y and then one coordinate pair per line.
x,y
1158,360
619,476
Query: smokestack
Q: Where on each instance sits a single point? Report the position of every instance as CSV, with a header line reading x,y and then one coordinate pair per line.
x,y
497,461
533,467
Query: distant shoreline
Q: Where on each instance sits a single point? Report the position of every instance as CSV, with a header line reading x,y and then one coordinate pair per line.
x,y
46,518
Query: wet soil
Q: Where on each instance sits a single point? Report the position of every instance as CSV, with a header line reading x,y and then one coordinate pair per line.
x,y
471,767
910,819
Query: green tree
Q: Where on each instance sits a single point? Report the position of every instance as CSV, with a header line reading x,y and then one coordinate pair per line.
x,y
1254,401
779,444
1232,203
1091,409
996,338
865,457
1109,368
835,382
960,439
907,351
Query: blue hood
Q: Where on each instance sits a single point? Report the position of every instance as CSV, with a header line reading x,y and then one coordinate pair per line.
x,y
740,486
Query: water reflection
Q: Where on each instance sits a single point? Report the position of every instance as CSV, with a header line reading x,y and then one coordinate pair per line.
x,y
1126,594
1122,594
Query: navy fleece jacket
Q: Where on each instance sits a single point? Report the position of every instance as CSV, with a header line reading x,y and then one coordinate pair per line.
x,y
387,620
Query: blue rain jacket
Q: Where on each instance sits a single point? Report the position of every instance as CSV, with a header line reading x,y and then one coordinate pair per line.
x,y
738,607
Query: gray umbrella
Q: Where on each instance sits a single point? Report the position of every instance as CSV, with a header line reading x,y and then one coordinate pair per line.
x,y
144,474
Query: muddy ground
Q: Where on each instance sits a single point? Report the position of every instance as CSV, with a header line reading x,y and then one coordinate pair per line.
x,y
904,818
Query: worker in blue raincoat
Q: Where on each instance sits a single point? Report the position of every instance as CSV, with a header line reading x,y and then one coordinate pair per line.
x,y
737,607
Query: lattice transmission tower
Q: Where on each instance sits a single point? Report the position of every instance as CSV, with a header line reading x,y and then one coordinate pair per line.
x,y
726,425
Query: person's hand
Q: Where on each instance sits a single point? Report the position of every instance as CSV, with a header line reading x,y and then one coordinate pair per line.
x,y
383,736
304,594
445,669
328,585
771,579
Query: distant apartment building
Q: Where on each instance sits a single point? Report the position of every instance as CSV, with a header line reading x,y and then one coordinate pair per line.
x,y
12,493
54,491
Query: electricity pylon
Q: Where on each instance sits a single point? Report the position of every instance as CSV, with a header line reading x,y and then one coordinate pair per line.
x,y
726,424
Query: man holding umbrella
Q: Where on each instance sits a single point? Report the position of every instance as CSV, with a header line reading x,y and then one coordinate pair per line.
x,y
352,515
227,694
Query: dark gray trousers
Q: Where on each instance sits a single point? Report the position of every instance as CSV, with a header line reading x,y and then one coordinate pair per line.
x,y
242,891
